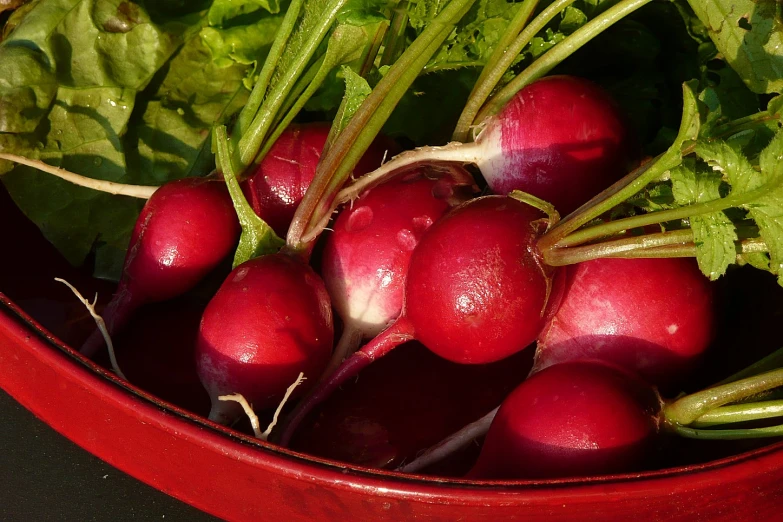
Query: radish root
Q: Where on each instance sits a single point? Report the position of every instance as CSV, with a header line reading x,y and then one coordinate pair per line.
x,y
98,321
119,189
254,422
450,444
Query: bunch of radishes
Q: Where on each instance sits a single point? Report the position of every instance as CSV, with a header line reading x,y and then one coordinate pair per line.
x,y
416,256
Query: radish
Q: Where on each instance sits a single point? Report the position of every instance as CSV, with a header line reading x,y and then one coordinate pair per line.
x,y
652,316
279,182
572,419
561,139
270,320
184,231
475,293
366,257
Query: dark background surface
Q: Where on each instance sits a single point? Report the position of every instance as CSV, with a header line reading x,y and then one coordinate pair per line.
x,y
44,476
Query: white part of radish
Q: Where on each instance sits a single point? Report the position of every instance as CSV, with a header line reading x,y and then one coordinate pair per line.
x,y
349,342
454,152
451,444
98,321
254,422
119,189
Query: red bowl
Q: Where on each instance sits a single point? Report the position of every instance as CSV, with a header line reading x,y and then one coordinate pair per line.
x,y
236,477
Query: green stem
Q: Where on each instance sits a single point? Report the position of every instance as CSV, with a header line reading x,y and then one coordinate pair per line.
x,y
293,96
314,84
395,39
558,53
610,198
689,408
225,165
751,433
372,52
250,110
339,161
637,245
740,413
745,123
251,141
506,51
662,216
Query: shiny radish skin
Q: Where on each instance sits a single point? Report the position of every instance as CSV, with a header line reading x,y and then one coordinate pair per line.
x,y
184,231
574,419
477,271
366,254
655,317
270,320
561,138
280,181
476,292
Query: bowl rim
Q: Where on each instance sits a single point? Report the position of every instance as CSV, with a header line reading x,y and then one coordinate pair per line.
x,y
12,314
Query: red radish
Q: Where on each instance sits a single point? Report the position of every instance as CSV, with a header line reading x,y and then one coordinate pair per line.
x,y
652,316
366,257
184,231
476,292
277,186
561,138
572,419
270,320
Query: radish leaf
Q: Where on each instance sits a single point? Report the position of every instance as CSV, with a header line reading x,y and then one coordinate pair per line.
x,y
749,34
714,233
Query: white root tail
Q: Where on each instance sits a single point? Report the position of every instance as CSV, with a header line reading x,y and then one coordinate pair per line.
x,y
450,444
119,189
254,422
98,321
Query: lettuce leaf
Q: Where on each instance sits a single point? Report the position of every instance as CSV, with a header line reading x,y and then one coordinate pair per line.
x,y
111,90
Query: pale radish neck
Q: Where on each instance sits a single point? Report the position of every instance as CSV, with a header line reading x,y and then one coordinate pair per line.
x,y
110,187
349,342
451,444
454,152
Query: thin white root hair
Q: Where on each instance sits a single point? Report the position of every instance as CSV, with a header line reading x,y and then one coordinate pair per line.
x,y
99,322
118,189
299,380
238,398
450,444
254,422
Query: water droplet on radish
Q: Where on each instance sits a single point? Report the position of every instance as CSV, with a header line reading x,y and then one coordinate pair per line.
x,y
406,239
360,219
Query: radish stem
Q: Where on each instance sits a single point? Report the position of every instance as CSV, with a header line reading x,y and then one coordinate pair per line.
x,y
740,413
503,57
558,53
686,410
736,434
